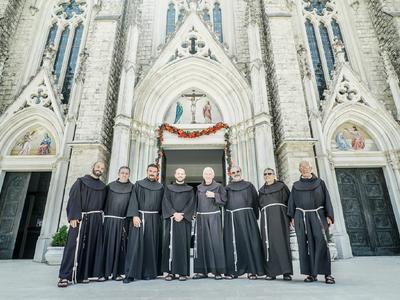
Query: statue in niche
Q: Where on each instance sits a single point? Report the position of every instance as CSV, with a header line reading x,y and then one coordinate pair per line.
x,y
194,101
207,113
179,112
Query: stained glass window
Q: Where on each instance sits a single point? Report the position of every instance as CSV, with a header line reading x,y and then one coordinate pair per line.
x,y
206,16
316,59
51,37
319,5
180,17
62,47
71,9
337,33
170,19
217,20
73,58
326,44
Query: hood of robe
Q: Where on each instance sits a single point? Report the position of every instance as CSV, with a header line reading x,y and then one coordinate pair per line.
x,y
203,187
238,185
271,188
121,187
93,183
307,184
150,185
179,188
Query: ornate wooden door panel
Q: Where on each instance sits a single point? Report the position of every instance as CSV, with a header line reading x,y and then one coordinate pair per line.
x,y
368,212
12,201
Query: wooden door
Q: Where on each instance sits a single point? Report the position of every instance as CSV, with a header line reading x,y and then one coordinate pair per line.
x,y
12,200
368,212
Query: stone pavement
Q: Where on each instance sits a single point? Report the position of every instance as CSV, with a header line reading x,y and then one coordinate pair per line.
x,y
356,278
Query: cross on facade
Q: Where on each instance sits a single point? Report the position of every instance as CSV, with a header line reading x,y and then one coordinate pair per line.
x,y
194,101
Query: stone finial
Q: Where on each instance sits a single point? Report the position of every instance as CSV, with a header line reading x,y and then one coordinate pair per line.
x,y
193,5
81,72
338,49
49,54
390,71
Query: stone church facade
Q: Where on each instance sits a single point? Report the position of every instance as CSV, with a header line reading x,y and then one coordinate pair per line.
x,y
92,80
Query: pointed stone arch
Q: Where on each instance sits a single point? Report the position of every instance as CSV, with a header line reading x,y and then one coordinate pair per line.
x,y
158,90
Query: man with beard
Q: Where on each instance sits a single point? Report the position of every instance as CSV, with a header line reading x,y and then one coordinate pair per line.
x,y
311,211
208,242
119,194
83,248
177,209
275,227
143,260
242,241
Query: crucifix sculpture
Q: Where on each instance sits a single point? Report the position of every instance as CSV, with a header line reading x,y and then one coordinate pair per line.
x,y
194,101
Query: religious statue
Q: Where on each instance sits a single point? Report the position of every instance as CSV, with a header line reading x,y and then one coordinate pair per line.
x,y
194,101
179,112
207,113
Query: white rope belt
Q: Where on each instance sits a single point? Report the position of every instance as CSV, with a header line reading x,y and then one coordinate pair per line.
x,y
170,243
266,225
75,267
114,217
195,228
233,232
304,211
147,212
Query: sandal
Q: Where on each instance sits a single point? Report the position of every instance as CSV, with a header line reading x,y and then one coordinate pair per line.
x,y
287,277
118,278
218,277
182,278
270,278
170,277
229,277
200,275
62,283
84,281
252,277
311,279
102,279
329,279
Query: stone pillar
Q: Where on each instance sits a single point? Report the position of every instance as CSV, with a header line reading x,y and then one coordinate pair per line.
x,y
392,80
122,128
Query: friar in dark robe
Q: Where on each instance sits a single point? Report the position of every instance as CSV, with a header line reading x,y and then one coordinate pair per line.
x,y
275,227
177,210
143,259
243,248
119,194
311,211
209,256
83,259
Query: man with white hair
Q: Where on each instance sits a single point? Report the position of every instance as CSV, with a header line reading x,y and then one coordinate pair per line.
x,y
311,211
209,256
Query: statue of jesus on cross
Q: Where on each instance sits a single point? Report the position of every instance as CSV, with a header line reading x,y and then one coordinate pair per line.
x,y
194,101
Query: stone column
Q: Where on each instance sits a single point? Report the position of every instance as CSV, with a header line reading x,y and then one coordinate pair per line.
x,y
392,80
122,128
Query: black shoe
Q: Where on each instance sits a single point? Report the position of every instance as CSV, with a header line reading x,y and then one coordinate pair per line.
x,y
147,278
128,280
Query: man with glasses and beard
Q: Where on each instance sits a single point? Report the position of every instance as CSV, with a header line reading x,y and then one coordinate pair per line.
x,y
243,250
310,208
83,248
143,259
275,227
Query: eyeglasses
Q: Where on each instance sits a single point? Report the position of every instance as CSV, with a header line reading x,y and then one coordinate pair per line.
x,y
304,168
237,172
270,173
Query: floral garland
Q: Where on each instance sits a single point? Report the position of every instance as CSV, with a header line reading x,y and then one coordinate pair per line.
x,y
194,134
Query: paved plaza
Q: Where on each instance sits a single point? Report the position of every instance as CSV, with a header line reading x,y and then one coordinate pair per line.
x,y
356,278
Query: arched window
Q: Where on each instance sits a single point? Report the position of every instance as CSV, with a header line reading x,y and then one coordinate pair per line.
x,y
68,19
217,20
206,16
170,19
321,29
180,17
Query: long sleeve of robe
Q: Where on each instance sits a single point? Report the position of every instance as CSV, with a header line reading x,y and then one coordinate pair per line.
x,y
87,194
311,226
275,228
243,248
176,246
209,255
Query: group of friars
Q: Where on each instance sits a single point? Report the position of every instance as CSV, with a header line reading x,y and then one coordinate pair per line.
x,y
117,229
